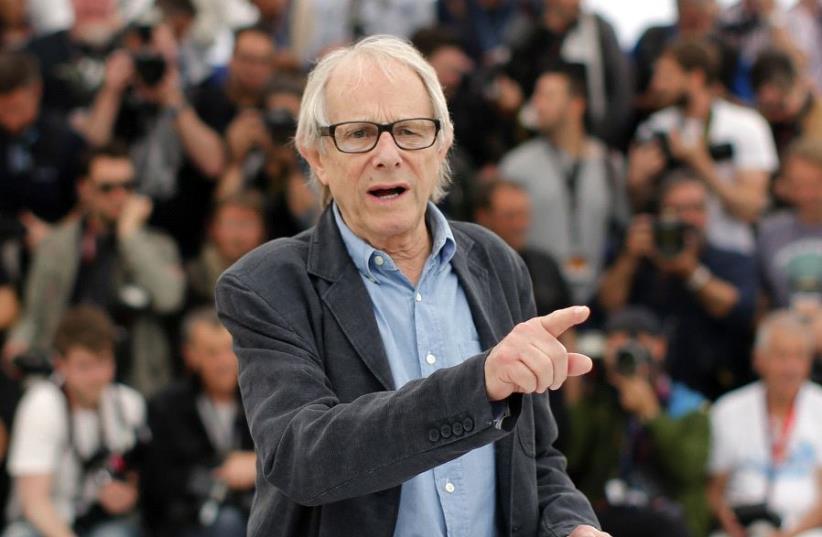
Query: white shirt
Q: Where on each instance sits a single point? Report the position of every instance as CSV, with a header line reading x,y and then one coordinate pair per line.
x,y
40,442
740,446
754,150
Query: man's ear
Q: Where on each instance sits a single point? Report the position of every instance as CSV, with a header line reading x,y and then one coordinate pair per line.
x,y
315,160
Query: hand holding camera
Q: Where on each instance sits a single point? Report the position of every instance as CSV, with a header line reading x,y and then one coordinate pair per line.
x,y
640,239
645,162
238,471
119,71
244,133
633,364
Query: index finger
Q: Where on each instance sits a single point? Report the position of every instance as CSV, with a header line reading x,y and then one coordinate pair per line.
x,y
558,322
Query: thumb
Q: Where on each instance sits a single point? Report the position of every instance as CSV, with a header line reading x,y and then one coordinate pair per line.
x,y
578,364
559,321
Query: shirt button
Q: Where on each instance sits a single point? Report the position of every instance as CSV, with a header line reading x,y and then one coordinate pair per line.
x,y
431,359
419,297
450,488
379,260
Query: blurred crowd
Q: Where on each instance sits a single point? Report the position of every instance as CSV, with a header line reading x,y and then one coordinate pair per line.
x,y
676,188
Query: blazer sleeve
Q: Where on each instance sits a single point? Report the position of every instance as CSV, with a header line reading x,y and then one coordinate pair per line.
x,y
316,449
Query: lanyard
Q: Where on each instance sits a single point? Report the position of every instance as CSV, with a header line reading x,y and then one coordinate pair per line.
x,y
778,444
572,184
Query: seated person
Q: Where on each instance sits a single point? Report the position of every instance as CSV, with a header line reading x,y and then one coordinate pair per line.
x,y
200,470
766,449
75,440
692,285
638,441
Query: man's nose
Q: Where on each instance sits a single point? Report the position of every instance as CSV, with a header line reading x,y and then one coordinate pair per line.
x,y
386,153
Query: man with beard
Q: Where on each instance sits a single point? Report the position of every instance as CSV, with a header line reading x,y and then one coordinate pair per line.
x,y
726,146
574,181
566,32
785,99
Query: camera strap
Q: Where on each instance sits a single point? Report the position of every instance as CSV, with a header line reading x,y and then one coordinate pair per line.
x,y
778,436
572,186
79,502
222,431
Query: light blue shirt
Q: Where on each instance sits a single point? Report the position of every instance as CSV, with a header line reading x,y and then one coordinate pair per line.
x,y
423,329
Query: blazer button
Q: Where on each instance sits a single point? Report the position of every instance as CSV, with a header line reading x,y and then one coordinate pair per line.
x,y
457,428
445,431
433,435
468,425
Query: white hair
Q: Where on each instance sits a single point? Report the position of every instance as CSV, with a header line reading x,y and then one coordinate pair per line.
x,y
786,321
388,53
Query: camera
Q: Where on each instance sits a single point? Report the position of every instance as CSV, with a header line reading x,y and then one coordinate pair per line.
x,y
150,67
759,512
105,466
669,236
630,357
718,152
33,362
280,124
212,493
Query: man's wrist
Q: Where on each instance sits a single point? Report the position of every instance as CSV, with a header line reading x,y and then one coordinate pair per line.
x,y
699,278
175,109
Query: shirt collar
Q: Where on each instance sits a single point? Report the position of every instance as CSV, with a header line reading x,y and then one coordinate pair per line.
x,y
442,251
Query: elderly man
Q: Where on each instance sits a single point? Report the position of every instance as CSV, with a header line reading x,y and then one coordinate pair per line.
x,y
373,407
773,477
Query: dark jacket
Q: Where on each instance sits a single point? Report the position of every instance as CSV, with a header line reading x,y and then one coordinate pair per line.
x,y
181,448
335,440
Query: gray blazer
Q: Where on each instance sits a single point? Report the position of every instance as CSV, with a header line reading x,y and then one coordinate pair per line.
x,y
334,439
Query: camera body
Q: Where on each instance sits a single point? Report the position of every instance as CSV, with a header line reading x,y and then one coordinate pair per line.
x,y
150,67
630,357
718,152
280,124
670,234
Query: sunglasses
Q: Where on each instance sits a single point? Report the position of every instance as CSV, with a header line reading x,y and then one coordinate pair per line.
x,y
107,188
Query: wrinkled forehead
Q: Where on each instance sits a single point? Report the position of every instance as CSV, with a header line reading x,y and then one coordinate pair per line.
x,y
375,89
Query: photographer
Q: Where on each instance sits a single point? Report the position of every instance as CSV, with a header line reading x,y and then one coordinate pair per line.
x,y
728,147
201,468
770,484
38,154
76,439
177,156
649,479
668,265
107,257
265,160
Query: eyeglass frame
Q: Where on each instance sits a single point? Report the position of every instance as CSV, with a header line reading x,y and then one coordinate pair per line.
x,y
381,128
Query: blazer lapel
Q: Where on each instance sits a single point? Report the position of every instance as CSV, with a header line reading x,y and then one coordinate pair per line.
x,y
490,320
346,297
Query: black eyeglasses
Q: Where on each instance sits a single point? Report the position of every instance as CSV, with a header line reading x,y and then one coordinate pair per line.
x,y
107,187
362,136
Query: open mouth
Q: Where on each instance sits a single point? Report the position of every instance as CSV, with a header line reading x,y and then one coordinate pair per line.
x,y
387,193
